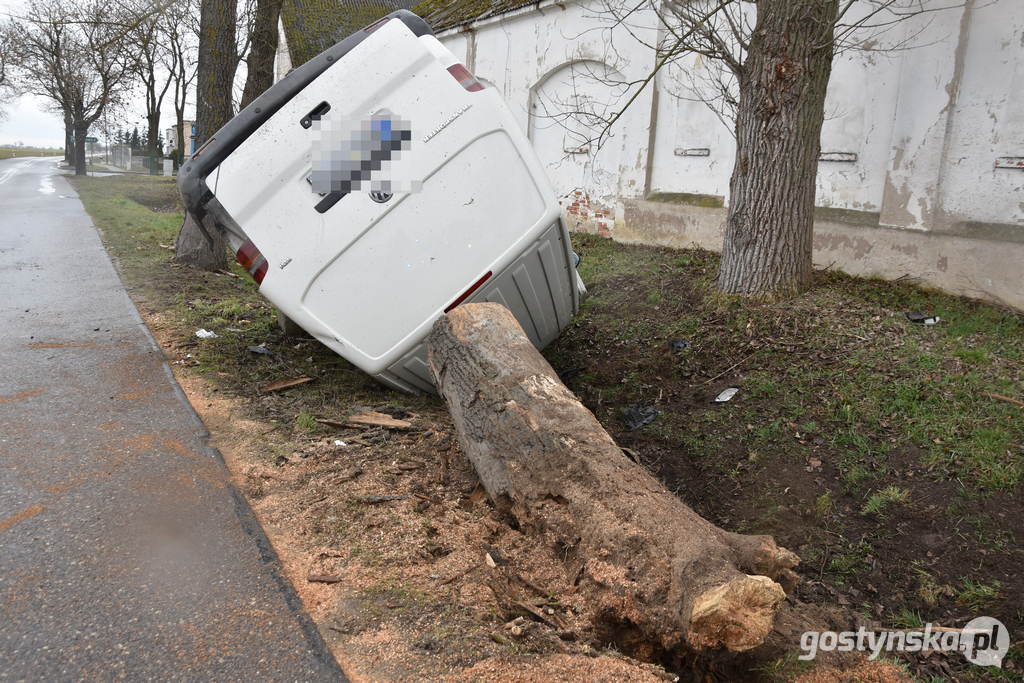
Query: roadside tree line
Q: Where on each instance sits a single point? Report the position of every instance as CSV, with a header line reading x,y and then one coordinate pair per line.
x,y
95,59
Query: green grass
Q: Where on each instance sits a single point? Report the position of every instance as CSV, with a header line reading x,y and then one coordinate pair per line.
x,y
977,596
11,152
881,383
879,502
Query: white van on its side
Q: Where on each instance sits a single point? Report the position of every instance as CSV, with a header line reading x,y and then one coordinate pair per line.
x,y
300,185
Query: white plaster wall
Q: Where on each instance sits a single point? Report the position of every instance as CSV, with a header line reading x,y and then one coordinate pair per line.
x,y
859,110
526,58
919,128
685,122
987,122
926,120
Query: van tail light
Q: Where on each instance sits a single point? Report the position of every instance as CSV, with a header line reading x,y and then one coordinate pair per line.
x,y
253,261
463,76
465,295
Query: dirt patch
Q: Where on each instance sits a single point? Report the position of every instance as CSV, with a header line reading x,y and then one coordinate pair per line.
x,y
403,588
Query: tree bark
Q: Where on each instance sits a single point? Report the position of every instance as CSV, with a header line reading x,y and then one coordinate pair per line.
x,y
193,248
770,228
80,160
69,132
213,109
644,559
260,63
217,62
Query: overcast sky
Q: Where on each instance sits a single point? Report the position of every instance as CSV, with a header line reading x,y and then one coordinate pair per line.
x,y
31,124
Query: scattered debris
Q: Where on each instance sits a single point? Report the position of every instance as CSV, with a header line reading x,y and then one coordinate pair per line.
x,y
379,499
206,334
493,554
262,349
286,383
348,475
639,414
428,499
726,395
499,639
375,419
323,578
919,318
679,345
461,574
1006,398
339,442
474,497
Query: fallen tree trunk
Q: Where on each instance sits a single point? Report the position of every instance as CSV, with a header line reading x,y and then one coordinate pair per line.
x,y
639,554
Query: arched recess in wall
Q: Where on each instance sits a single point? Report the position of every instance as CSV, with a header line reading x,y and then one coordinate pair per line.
x,y
567,107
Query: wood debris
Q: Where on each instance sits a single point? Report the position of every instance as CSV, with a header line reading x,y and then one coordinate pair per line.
x,y
323,578
374,419
285,383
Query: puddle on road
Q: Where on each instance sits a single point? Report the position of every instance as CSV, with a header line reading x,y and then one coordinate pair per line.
x,y
46,185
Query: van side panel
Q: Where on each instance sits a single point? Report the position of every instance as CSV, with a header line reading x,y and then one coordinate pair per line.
x,y
533,288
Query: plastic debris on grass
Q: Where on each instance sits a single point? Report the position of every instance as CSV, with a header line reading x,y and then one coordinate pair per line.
x,y
639,414
920,318
726,395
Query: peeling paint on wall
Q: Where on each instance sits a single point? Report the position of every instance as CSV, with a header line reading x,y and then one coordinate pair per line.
x,y
832,241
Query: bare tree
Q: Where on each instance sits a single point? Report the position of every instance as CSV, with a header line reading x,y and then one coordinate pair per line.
x,y
771,62
7,86
181,60
148,36
75,56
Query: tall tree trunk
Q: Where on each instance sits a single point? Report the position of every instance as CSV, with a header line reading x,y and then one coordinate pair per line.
x,y
180,125
264,48
193,248
69,132
770,227
81,131
217,64
213,109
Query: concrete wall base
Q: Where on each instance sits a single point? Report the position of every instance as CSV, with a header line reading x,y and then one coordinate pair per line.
x,y
990,270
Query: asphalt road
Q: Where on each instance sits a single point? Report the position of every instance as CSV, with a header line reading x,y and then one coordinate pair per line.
x,y
125,552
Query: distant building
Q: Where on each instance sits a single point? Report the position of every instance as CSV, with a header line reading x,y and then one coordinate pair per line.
x,y
172,139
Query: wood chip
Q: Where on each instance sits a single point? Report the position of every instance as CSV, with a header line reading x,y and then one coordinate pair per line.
x,y
461,574
429,499
541,616
375,419
477,494
287,382
493,554
347,476
323,578
379,499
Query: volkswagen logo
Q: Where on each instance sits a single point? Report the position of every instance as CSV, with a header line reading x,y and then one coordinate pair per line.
x,y
381,197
